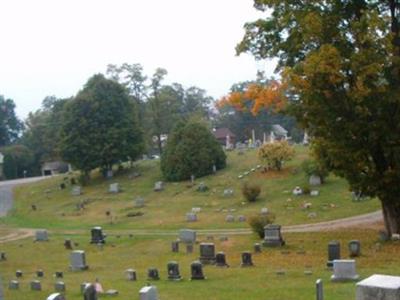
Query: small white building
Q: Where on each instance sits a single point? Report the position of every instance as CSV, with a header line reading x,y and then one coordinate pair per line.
x,y
54,167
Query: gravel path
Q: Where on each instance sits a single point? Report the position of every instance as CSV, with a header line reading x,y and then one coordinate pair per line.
x,y
6,195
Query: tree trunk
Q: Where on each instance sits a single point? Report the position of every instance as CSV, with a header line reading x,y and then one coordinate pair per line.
x,y
391,216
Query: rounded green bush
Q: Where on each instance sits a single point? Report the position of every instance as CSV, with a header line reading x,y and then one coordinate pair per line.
x,y
191,150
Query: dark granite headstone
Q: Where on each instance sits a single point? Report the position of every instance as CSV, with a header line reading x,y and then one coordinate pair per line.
x,y
173,271
196,270
152,274
220,260
246,259
333,252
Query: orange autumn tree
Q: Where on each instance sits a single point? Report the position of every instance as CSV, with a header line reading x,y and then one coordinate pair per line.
x,y
257,97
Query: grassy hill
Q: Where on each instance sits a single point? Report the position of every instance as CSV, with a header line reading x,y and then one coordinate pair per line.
x,y
167,209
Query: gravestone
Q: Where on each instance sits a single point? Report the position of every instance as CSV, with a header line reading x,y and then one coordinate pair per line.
x,y
89,292
58,274
3,256
344,270
207,253
319,289
36,285
273,237
148,293
41,235
315,180
257,247
13,285
354,248
228,192
175,246
189,248
378,287
78,260
230,218
196,210
152,274
68,244
39,273
59,286
333,252
139,202
56,296
242,218
264,211
130,274
220,260
18,273
114,188
191,217
246,259
314,193
97,235
173,271
196,271
158,186
202,187
76,190
297,191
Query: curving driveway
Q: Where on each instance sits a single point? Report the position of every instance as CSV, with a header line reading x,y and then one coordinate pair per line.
x,y
6,203
6,195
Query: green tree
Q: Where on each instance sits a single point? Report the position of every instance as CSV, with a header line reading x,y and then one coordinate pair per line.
x,y
191,150
10,125
18,161
42,131
99,127
341,66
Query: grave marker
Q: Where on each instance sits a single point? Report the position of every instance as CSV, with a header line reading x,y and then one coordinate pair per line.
x,y
36,285
355,248
207,253
196,271
246,259
56,296
378,287
152,274
173,271
130,274
78,260
344,270
148,293
273,236
59,286
319,289
13,285
97,236
89,292
41,235
333,252
220,260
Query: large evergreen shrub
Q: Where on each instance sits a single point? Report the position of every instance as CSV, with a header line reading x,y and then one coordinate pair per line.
x,y
191,150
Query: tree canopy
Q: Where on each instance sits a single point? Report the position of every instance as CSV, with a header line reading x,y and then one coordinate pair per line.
x,y
100,127
10,125
191,150
340,67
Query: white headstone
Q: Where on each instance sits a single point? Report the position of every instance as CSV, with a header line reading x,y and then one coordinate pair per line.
x,y
379,287
56,296
76,190
187,236
344,270
315,180
139,202
78,260
230,218
41,235
114,188
148,293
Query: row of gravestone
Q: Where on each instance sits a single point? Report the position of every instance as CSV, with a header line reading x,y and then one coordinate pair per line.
x,y
89,293
246,173
387,287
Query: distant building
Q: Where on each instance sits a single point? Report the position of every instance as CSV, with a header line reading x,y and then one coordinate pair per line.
x,y
221,135
279,132
54,167
1,165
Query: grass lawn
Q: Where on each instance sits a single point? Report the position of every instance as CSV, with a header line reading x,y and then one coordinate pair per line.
x,y
140,253
167,209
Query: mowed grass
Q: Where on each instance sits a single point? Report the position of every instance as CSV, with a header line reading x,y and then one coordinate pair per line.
x,y
140,253
167,209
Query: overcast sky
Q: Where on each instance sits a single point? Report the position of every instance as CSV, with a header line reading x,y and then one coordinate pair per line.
x,y
51,47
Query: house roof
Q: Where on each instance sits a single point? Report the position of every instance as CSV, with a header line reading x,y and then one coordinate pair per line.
x,y
221,133
279,130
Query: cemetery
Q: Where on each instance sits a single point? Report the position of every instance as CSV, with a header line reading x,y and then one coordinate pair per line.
x,y
160,254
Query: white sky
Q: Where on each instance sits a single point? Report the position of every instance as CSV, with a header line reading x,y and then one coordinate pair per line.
x,y
51,47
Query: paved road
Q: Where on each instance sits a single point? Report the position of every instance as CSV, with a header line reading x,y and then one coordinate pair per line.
x,y
6,195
